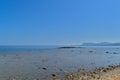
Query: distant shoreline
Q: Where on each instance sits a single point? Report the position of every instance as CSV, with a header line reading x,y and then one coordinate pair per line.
x,y
101,44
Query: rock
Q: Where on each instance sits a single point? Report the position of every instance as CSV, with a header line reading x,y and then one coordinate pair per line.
x,y
107,52
90,51
54,75
115,53
44,68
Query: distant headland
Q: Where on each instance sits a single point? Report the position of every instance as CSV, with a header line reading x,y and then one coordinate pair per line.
x,y
101,44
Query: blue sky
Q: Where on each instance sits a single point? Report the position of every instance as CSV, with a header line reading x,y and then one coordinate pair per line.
x,y
51,22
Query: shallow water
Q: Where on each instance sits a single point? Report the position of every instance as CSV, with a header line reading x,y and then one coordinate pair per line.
x,y
28,63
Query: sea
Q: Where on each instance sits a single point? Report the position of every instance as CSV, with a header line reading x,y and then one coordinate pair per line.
x,y
41,62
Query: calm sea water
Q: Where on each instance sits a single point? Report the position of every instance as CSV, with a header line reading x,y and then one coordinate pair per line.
x,y
24,60
20,48
26,47
11,49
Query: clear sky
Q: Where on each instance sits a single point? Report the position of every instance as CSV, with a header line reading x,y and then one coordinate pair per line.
x,y
51,22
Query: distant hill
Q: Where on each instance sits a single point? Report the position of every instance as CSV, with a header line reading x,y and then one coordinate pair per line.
x,y
101,44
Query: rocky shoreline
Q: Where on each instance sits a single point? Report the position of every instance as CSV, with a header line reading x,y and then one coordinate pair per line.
x,y
97,74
